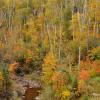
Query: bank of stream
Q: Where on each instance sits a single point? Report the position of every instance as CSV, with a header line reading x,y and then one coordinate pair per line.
x,y
25,89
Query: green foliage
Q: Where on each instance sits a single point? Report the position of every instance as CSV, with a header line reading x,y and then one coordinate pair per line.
x,y
5,72
85,98
48,92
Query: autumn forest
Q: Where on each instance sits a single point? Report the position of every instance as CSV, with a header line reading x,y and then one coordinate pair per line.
x,y
49,49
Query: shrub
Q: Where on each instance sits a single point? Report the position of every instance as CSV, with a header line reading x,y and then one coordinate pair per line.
x,y
95,53
48,67
84,74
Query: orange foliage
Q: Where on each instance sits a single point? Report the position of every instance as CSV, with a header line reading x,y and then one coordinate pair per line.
x,y
96,66
12,67
91,65
58,80
28,60
29,52
85,64
84,74
1,77
17,47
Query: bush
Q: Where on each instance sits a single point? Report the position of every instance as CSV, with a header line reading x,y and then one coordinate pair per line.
x,y
95,53
48,92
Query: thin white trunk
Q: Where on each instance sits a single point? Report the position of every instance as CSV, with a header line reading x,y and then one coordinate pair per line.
x,y
49,37
55,32
60,43
72,20
60,35
87,35
69,58
79,58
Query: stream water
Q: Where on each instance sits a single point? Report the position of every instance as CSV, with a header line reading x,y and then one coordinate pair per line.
x,y
32,94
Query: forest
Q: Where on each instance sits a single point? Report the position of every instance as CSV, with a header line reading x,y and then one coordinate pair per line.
x,y
49,49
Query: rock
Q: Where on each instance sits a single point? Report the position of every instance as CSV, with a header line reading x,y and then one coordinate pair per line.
x,y
96,95
37,98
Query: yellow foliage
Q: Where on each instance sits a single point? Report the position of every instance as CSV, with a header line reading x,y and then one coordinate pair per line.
x,y
81,84
48,67
66,93
1,45
76,25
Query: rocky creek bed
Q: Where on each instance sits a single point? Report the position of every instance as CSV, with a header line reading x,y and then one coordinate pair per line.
x,y
25,89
